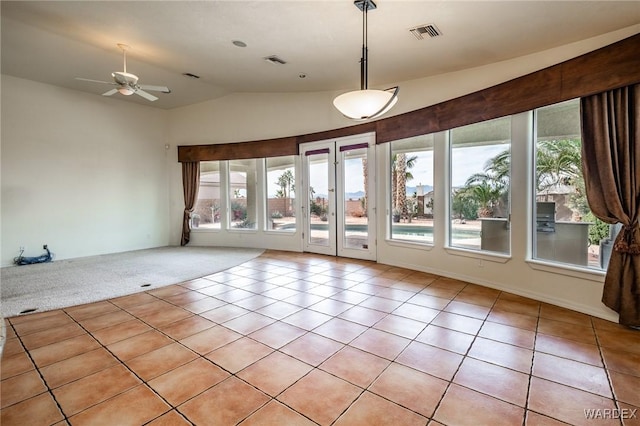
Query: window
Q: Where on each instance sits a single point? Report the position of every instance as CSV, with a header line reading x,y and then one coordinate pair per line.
x,y
281,194
412,190
565,230
479,193
206,213
242,194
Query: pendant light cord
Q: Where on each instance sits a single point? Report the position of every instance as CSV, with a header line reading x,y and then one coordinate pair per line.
x,y
364,77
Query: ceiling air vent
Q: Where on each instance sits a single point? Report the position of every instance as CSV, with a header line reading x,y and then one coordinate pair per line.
x,y
273,59
429,29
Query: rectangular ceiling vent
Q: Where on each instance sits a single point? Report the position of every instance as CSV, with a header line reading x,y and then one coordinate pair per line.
x,y
273,59
429,29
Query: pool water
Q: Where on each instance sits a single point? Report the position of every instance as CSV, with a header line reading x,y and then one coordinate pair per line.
x,y
403,230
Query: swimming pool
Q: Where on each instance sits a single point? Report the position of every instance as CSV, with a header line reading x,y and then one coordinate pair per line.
x,y
402,230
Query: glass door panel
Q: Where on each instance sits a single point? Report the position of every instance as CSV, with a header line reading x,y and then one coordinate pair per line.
x,y
319,209
355,223
340,192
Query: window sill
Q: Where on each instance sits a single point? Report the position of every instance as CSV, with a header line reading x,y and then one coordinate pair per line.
x,y
569,270
482,255
275,232
242,230
409,244
205,230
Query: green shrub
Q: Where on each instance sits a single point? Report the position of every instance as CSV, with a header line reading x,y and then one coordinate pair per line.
x,y
598,231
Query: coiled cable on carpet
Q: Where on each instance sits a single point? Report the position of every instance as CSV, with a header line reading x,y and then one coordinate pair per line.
x,y
21,260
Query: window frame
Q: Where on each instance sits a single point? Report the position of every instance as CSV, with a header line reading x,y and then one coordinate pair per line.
x,y
257,197
389,238
295,202
488,255
222,199
542,264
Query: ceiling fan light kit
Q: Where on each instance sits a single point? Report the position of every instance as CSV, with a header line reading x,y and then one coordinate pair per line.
x,y
365,104
127,83
125,91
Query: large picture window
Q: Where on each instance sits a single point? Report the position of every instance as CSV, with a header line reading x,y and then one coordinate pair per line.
x,y
565,230
206,213
242,194
411,202
281,194
480,186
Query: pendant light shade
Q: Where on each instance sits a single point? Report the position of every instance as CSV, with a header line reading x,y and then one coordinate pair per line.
x,y
365,104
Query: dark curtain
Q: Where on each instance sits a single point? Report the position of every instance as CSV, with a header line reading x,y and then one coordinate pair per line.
x,y
611,169
190,184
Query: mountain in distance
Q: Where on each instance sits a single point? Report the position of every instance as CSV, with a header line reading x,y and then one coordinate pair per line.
x,y
354,195
410,191
425,189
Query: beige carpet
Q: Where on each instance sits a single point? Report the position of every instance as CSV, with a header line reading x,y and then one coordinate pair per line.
x,y
64,283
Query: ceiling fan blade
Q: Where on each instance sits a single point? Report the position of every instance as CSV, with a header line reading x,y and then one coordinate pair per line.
x,y
110,92
95,81
163,89
147,96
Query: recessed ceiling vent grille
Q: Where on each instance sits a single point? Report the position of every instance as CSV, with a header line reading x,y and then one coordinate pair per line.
x,y
273,59
422,31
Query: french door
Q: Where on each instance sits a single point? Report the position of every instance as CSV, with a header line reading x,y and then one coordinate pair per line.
x,y
339,187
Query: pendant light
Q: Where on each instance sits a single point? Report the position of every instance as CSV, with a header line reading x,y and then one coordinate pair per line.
x,y
365,104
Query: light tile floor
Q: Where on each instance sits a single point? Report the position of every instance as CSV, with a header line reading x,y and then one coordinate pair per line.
x,y
299,339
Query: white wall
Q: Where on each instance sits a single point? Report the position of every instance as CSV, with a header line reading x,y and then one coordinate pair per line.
x,y
84,174
247,116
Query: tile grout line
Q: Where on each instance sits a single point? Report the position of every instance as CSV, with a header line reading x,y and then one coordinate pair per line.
x,y
37,369
124,364
530,379
464,357
606,370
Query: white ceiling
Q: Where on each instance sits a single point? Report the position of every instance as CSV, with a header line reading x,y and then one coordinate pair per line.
x,y
55,41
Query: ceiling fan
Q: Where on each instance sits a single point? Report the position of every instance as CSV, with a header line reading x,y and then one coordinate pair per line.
x,y
127,83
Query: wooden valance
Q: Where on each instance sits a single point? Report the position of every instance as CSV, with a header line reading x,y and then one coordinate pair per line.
x,y
239,151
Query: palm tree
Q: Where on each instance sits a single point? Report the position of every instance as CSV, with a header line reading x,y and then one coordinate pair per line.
x,y
491,187
558,162
487,197
365,174
286,183
400,175
401,184
496,170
